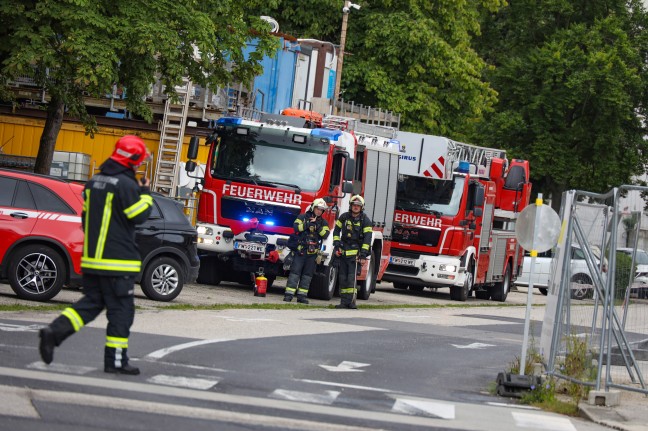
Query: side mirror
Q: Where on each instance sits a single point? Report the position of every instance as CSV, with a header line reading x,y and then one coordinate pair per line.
x,y
347,187
190,166
349,169
192,151
479,196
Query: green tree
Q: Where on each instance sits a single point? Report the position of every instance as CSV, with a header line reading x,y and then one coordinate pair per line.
x,y
572,78
409,56
72,47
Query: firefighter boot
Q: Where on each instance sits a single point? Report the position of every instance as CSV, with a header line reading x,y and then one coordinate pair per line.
x,y
301,298
345,301
52,336
116,362
288,297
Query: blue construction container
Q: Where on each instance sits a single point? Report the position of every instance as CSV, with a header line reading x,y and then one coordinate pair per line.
x,y
273,89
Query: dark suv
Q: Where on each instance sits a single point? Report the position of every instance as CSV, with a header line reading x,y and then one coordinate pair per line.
x,y
41,240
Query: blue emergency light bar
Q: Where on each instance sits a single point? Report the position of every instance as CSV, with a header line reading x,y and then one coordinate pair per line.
x,y
229,121
330,134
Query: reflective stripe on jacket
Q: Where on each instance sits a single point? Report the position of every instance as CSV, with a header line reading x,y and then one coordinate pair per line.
x,y
113,205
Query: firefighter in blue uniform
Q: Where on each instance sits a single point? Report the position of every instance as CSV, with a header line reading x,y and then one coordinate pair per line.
x,y
311,229
352,243
114,202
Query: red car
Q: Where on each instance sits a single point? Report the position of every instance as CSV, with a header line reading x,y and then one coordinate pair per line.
x,y
41,239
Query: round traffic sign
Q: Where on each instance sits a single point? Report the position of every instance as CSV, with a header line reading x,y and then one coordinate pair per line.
x,y
548,228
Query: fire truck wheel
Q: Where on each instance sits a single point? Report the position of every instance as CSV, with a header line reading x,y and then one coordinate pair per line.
x,y
460,293
36,272
162,279
365,287
499,291
400,286
210,271
323,284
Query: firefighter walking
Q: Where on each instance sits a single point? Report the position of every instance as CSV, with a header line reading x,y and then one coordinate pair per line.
x,y
351,242
311,229
114,202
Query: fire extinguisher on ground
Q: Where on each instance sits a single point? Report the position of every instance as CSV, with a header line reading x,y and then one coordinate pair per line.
x,y
260,284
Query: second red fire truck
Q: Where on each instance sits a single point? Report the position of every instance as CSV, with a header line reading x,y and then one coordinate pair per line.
x,y
454,224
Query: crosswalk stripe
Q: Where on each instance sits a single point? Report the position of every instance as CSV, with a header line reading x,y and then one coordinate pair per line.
x,y
306,397
543,422
429,408
182,382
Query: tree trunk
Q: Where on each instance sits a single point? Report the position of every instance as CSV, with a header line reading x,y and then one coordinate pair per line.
x,y
51,130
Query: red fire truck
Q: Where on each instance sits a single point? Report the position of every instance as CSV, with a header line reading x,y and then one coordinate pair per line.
x,y
454,225
260,174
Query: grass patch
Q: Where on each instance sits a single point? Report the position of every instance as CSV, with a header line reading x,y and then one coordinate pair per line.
x,y
317,307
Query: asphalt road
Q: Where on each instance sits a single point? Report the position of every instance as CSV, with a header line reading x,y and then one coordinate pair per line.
x,y
242,369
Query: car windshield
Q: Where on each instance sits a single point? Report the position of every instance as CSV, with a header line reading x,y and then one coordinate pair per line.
x,y
430,196
262,163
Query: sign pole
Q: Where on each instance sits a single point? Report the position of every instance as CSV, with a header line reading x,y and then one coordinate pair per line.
x,y
527,318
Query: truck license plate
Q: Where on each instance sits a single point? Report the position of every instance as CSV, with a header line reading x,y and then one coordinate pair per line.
x,y
253,247
402,261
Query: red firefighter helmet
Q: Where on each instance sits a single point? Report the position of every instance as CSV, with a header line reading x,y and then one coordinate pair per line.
x,y
130,151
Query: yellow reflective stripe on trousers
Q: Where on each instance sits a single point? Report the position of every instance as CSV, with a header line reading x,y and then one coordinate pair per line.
x,y
139,206
86,210
111,264
105,223
347,290
74,318
116,342
291,290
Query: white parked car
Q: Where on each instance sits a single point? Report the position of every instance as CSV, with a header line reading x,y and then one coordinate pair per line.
x,y
582,284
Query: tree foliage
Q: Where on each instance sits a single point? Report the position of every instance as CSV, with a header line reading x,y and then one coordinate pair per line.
x,y
77,47
572,78
413,57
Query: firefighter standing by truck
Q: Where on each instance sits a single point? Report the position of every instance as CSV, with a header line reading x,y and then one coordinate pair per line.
x,y
351,242
310,229
114,202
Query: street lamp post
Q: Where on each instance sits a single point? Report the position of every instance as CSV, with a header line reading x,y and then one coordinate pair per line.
x,y
338,73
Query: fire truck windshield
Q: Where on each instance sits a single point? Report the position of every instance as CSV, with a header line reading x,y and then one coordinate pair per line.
x,y
266,164
430,196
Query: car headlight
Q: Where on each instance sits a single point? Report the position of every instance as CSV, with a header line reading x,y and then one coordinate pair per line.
x,y
448,268
204,230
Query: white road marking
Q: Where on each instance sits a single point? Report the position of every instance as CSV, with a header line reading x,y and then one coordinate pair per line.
x,y
307,397
513,406
61,368
473,346
163,352
175,364
544,422
212,396
182,382
346,367
8,327
428,407
344,385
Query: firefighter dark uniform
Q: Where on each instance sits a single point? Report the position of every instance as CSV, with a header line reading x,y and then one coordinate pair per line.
x,y
114,202
352,241
310,234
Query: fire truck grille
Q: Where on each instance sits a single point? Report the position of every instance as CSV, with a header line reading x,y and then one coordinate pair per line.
x,y
267,214
418,236
400,269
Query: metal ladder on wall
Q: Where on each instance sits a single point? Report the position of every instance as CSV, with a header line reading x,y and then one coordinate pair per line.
x,y
171,138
